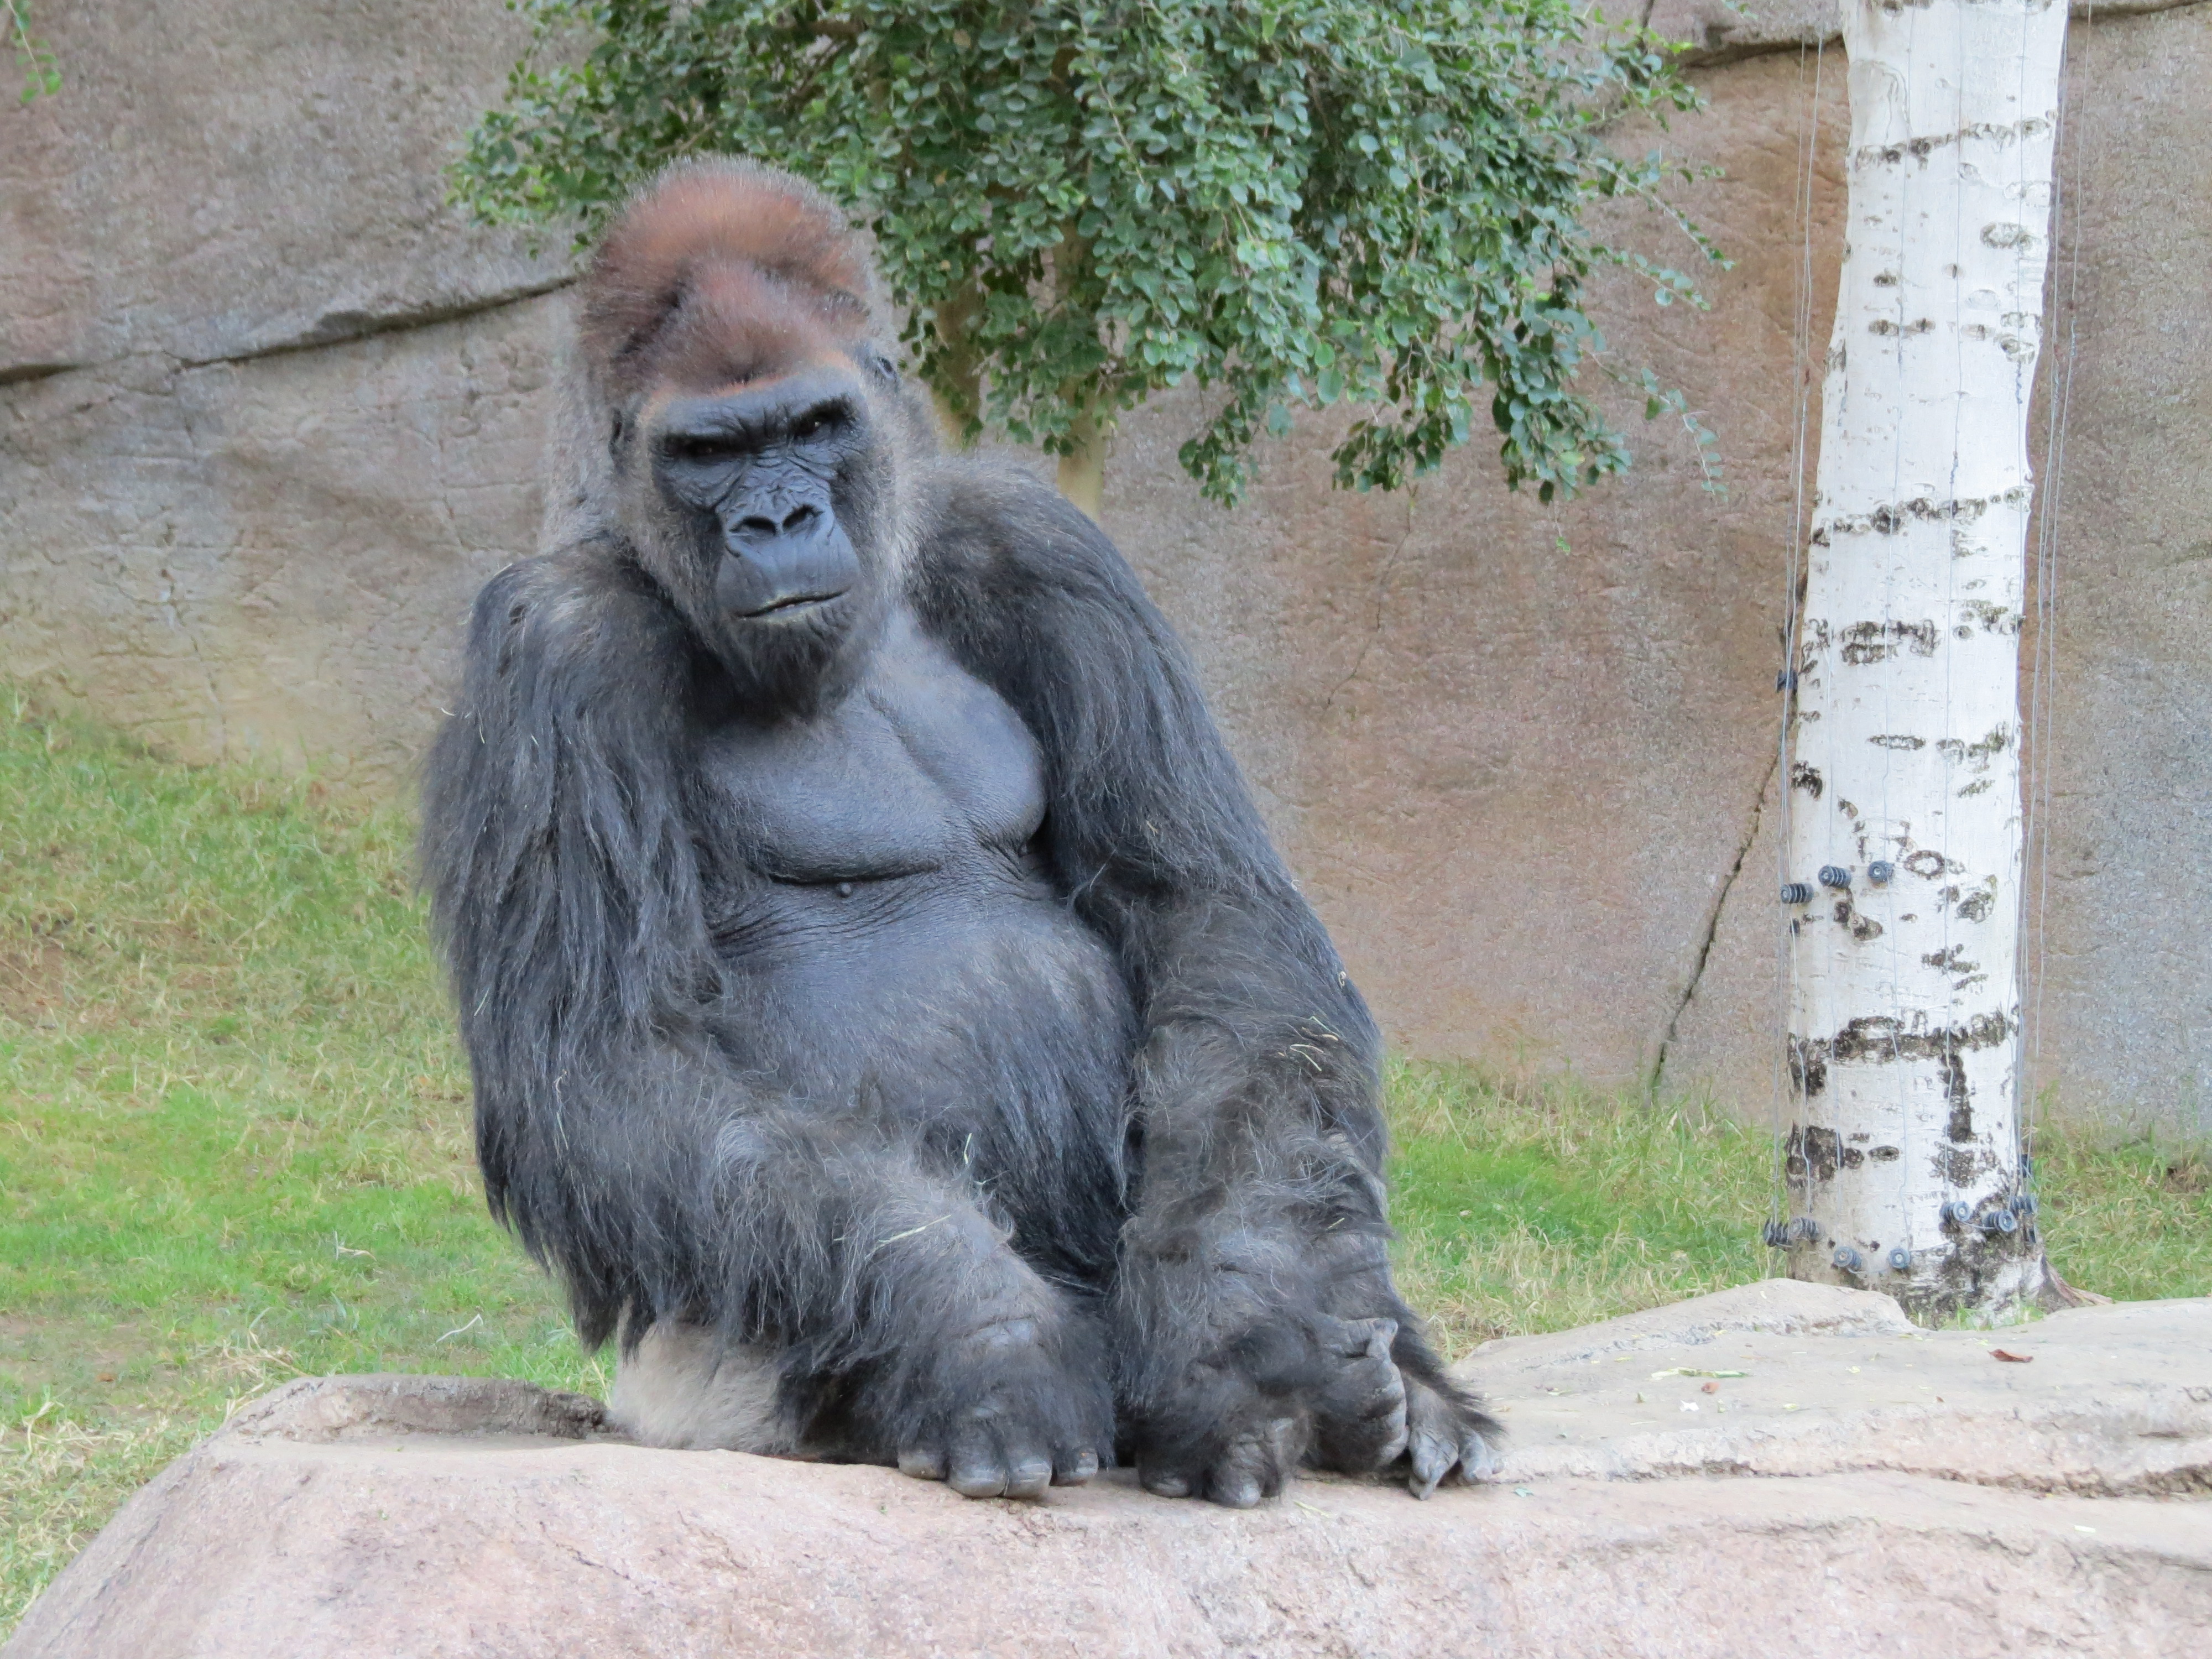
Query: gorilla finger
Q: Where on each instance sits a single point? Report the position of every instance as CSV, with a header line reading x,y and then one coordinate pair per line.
x,y
1395,1443
1072,1469
1356,1339
1384,1397
1164,1483
976,1469
922,1462
1253,1467
978,1480
1236,1489
1434,1455
1029,1472
1478,1459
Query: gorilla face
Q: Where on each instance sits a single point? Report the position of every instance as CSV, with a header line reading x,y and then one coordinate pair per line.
x,y
771,527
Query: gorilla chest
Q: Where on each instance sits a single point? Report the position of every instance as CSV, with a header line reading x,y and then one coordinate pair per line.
x,y
921,780
886,921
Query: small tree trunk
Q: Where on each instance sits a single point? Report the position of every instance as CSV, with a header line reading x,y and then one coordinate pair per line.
x,y
1905,826
1082,469
959,399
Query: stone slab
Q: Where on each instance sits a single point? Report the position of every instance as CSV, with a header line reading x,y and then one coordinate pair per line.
x,y
1781,1378
410,1517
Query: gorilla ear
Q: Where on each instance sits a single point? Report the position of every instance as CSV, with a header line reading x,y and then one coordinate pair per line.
x,y
618,429
878,361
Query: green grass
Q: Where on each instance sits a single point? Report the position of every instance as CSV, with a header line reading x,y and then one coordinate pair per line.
x,y
233,1145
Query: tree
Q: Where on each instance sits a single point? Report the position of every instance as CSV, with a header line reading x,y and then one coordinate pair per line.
x,y
1296,202
1904,836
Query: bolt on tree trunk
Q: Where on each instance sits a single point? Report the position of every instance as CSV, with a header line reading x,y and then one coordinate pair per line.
x,y
1906,823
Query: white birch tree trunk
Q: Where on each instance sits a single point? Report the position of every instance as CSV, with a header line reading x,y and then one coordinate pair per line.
x,y
1905,821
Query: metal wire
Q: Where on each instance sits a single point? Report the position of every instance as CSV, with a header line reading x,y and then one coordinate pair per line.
x,y
2041,717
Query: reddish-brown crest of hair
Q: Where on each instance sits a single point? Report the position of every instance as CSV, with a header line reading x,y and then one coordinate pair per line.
x,y
720,273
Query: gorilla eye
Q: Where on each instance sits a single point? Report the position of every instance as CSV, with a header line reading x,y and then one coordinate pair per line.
x,y
813,424
700,449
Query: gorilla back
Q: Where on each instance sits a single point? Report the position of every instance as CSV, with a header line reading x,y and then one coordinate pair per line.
x,y
888,1015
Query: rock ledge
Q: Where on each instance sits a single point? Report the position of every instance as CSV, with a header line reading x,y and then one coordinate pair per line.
x,y
1941,1502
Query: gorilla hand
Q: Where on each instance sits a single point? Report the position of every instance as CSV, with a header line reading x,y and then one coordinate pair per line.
x,y
1360,1399
1374,1413
1010,1413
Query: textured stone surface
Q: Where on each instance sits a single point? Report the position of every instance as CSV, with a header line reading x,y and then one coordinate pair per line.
x,y
1518,756
272,557
221,177
1816,1380
411,1516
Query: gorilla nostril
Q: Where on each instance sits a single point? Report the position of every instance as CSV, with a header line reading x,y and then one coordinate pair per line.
x,y
800,518
756,526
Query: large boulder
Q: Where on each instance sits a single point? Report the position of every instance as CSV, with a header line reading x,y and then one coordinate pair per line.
x,y
1939,1501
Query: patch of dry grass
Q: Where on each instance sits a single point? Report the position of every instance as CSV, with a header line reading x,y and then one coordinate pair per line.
x,y
61,1481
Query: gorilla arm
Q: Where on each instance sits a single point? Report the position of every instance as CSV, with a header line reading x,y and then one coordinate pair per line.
x,y
1256,1321
617,1134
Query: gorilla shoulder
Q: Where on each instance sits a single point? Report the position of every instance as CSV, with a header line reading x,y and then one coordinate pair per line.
x,y
585,608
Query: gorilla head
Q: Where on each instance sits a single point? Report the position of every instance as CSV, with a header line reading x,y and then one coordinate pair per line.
x,y
758,426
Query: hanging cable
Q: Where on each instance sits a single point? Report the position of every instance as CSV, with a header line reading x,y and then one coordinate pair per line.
x,y
2067,218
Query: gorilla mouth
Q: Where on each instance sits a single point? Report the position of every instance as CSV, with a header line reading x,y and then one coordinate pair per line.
x,y
794,605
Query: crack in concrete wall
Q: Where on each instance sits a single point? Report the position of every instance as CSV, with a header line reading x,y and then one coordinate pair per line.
x,y
1658,1078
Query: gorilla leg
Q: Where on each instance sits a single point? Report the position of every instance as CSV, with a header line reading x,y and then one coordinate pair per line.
x,y
923,1339
688,1388
801,1281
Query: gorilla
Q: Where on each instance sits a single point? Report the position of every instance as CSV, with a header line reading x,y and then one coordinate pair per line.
x,y
888,1016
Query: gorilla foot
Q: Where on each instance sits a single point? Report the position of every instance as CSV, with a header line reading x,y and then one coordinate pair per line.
x,y
1015,1418
1445,1436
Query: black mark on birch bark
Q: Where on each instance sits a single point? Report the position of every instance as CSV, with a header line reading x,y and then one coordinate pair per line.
x,y
1881,1038
1866,643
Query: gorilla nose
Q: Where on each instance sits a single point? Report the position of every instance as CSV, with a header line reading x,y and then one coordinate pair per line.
x,y
773,564
757,527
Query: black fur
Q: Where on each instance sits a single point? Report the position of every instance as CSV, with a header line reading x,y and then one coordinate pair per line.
x,y
1065,1144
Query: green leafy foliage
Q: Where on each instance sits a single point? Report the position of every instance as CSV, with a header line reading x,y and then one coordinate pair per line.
x,y
1295,202
41,70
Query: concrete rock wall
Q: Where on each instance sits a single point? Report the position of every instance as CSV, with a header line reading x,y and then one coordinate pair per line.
x,y
269,412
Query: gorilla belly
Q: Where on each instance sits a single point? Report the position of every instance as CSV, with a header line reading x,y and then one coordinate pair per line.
x,y
899,959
